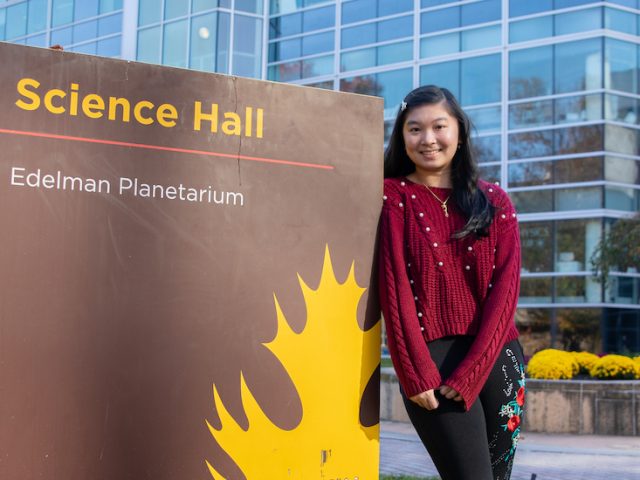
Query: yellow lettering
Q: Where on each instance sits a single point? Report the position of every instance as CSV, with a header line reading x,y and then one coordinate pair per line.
x,y
48,101
166,115
126,108
260,123
248,121
137,112
73,104
93,105
211,117
233,125
33,96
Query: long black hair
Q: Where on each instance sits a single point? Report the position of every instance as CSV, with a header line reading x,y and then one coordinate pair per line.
x,y
464,169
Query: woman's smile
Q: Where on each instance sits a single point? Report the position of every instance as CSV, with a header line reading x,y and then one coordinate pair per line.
x,y
430,136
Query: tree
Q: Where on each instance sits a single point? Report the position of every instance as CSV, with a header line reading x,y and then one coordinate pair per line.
x,y
619,249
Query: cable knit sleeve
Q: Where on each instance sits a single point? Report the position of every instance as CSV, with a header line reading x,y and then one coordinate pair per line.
x,y
416,370
498,311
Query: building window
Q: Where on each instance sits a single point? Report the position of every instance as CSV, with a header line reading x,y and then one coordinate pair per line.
x,y
110,47
359,10
537,246
543,143
392,86
85,31
285,50
203,5
107,6
437,20
575,243
533,201
149,45
247,51
621,21
480,80
474,80
535,328
174,43
318,18
621,66
487,148
622,330
317,66
623,170
621,198
149,11
579,329
251,6
16,21
375,56
444,74
577,21
486,118
464,15
531,28
62,12
85,9
622,140
377,32
306,21
531,72
37,20
318,43
571,170
463,41
175,8
536,290
578,66
209,38
526,7
490,173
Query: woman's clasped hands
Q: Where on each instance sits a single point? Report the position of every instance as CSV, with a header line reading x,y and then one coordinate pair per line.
x,y
428,398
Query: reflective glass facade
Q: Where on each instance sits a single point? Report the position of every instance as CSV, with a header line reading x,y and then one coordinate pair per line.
x,y
87,26
225,36
552,86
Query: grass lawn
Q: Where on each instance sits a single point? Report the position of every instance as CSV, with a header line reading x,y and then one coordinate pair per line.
x,y
405,477
386,362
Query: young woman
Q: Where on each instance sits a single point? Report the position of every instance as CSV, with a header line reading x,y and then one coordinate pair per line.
x,y
449,277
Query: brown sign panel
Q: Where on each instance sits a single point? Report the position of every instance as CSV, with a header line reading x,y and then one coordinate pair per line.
x,y
184,274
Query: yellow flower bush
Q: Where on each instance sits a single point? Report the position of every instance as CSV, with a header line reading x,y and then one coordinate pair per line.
x,y
553,364
586,360
615,367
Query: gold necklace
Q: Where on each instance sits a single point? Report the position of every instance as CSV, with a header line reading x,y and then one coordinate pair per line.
x,y
443,205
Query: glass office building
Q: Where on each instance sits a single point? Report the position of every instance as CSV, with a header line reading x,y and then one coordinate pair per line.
x,y
551,85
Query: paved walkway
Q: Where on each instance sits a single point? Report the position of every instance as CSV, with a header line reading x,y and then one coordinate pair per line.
x,y
549,457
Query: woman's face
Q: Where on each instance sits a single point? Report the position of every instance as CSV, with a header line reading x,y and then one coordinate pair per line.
x,y
431,138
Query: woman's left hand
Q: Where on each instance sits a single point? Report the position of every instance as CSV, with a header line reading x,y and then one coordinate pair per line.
x,y
448,392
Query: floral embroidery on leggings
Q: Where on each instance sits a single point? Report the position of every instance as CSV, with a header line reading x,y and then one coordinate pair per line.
x,y
513,412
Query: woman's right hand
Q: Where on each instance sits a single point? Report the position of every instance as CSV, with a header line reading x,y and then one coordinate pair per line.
x,y
426,400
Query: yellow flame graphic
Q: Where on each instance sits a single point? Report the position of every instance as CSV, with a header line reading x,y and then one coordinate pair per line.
x,y
330,362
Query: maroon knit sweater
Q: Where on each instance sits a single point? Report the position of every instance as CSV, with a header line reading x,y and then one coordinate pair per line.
x,y
433,286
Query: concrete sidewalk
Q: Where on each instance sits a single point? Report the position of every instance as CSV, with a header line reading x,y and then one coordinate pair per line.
x,y
550,457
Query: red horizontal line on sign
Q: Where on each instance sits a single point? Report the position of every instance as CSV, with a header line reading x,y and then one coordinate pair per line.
x,y
166,149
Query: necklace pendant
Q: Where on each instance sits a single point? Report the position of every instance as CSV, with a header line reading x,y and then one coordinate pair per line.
x,y
445,210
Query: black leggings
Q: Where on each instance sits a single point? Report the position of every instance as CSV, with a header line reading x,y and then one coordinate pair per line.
x,y
478,444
